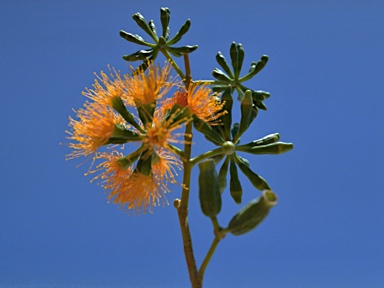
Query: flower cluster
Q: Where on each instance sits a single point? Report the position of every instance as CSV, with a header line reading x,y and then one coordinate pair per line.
x,y
136,108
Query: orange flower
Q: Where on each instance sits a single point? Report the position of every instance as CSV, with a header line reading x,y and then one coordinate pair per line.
x,y
147,87
200,100
133,190
164,165
93,129
115,86
160,132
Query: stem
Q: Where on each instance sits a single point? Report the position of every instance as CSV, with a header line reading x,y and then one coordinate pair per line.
x,y
208,257
182,205
206,155
174,65
210,82
187,70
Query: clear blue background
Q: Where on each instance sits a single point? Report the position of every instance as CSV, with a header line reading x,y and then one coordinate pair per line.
x,y
326,79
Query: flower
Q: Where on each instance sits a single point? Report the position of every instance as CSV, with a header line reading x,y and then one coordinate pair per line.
x,y
160,132
164,165
93,129
201,102
133,190
108,88
147,87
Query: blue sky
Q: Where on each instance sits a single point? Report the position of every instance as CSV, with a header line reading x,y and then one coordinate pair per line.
x,y
326,80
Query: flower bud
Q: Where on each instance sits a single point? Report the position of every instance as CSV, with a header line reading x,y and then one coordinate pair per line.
x,y
120,135
273,148
234,183
271,138
246,113
252,214
257,181
184,29
223,63
209,133
209,194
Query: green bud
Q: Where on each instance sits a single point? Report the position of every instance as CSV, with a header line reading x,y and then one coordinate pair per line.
x,y
235,129
252,214
152,26
271,138
209,133
260,95
119,106
165,17
226,119
273,148
142,67
146,112
246,113
209,194
260,105
128,160
144,164
234,183
182,50
220,75
257,181
140,20
217,158
223,175
184,29
240,56
234,53
223,63
179,113
120,135
139,55
132,38
255,68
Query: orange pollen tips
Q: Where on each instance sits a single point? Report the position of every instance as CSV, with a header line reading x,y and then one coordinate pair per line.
x,y
158,136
